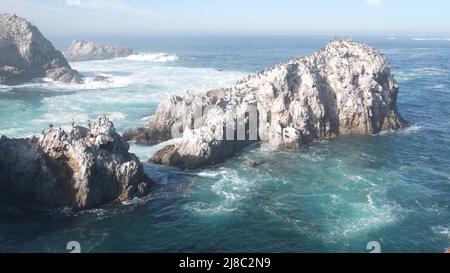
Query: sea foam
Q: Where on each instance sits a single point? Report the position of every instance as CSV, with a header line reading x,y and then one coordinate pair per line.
x,y
431,39
153,57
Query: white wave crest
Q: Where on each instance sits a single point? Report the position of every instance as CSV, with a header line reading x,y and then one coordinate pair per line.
x,y
441,230
115,116
233,187
210,174
431,39
89,84
439,86
153,57
5,88
230,188
411,129
408,130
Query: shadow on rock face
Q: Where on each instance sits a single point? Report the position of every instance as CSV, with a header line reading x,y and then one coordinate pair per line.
x,y
26,54
80,169
345,89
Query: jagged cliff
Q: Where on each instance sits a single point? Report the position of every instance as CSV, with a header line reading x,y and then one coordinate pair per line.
x,y
344,89
82,168
25,54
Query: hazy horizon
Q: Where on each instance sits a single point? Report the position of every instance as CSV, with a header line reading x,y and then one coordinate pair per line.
x,y
233,17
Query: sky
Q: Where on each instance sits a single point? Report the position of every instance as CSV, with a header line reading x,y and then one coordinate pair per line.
x,y
311,17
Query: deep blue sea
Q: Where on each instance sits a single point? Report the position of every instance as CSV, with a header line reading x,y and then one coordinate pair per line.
x,y
332,196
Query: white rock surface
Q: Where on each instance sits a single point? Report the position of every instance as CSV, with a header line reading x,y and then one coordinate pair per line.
x,y
87,51
344,89
25,54
81,169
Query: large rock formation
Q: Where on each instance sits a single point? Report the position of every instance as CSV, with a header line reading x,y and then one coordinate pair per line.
x,y
82,169
87,51
344,89
25,54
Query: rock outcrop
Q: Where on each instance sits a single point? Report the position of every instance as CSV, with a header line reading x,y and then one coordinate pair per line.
x,y
344,89
169,112
81,51
25,54
81,169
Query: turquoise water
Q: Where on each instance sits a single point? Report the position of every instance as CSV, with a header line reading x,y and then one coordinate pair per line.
x,y
333,196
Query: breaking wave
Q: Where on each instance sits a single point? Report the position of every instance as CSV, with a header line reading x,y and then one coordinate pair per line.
x,y
153,57
431,39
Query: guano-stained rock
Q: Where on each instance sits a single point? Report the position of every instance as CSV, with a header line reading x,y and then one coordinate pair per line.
x,y
344,89
81,169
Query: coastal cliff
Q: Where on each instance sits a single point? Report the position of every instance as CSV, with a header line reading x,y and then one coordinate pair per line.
x,y
25,54
344,89
87,51
81,169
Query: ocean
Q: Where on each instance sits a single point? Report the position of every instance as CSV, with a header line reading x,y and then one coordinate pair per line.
x,y
332,196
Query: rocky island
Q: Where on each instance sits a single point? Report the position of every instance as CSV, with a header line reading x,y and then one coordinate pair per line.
x,y
88,51
25,54
344,89
81,169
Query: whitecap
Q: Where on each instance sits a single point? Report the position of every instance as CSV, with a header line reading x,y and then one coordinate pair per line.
x,y
233,187
5,88
441,230
360,179
439,86
110,82
203,208
369,218
408,130
414,73
115,116
153,57
431,39
312,156
370,201
88,84
411,129
209,174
